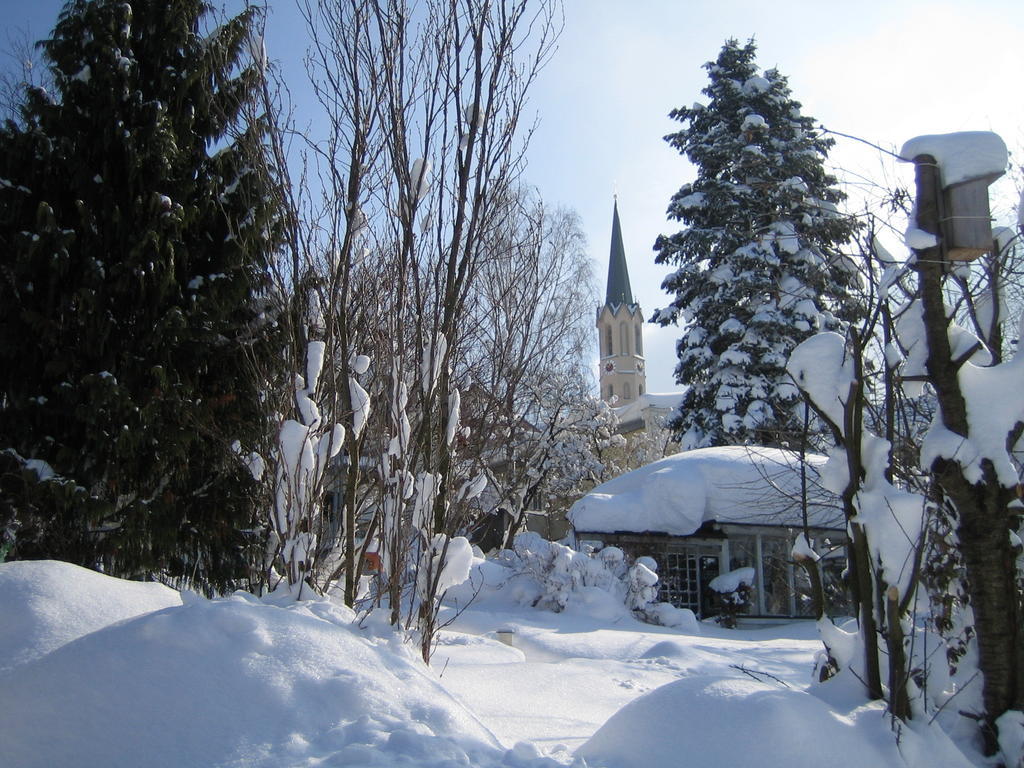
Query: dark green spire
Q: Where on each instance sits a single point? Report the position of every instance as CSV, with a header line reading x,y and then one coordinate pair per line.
x,y
618,276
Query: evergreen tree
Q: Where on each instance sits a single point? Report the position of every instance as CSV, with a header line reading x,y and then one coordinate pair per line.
x,y
133,238
759,267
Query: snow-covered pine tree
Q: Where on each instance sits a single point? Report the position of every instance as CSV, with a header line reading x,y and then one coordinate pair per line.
x,y
133,238
759,267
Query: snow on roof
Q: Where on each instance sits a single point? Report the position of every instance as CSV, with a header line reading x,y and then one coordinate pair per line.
x,y
666,401
961,156
733,484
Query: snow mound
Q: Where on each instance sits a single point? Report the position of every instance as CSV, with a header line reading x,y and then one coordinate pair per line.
x,y
667,649
233,681
737,484
46,604
740,723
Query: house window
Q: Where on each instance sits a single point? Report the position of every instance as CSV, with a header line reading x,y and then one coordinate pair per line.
x,y
685,574
743,554
680,582
623,339
804,593
638,342
777,576
608,340
833,567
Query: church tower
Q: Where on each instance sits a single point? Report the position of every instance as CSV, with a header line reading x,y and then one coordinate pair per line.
x,y
620,329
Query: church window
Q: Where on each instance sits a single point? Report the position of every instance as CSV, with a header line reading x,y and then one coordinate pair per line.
x,y
641,389
608,340
627,391
638,344
623,339
611,391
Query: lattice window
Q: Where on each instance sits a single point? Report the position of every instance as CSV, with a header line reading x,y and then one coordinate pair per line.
x,y
680,580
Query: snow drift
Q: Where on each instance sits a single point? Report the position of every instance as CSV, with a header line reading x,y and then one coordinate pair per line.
x,y
126,674
745,723
233,681
46,604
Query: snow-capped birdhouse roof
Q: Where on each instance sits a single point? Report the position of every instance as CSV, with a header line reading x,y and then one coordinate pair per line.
x,y
961,157
968,162
734,484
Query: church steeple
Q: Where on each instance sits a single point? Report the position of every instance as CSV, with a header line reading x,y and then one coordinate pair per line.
x,y
618,291
620,328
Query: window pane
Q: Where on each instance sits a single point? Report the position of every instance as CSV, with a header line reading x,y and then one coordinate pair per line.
x,y
775,554
837,596
743,554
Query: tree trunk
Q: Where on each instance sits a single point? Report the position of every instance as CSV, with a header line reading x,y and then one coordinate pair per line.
x,y
991,582
899,700
984,517
861,583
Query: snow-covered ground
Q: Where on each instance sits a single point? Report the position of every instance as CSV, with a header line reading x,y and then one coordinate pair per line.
x,y
101,672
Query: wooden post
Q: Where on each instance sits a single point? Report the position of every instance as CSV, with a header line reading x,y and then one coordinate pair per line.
x,y
930,266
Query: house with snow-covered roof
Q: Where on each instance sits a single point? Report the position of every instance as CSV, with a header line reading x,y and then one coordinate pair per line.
x,y
709,512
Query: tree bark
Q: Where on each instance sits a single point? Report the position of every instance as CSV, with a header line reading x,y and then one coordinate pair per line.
x,y
982,507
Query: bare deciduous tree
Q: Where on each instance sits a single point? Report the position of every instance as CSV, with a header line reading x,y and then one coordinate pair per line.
x,y
421,155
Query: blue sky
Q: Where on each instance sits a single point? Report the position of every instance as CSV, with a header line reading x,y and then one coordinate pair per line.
x,y
885,71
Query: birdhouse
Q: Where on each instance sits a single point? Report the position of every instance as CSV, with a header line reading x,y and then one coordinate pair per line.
x,y
967,223
371,562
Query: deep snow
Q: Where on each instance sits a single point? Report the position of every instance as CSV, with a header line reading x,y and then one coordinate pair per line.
x,y
103,672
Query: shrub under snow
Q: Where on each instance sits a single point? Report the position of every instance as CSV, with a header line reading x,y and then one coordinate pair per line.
x,y
555,577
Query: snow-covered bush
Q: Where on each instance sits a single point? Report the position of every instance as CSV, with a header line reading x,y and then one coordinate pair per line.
x,y
443,565
733,589
562,574
604,584
643,584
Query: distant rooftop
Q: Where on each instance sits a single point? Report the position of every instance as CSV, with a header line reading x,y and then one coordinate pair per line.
x,y
657,405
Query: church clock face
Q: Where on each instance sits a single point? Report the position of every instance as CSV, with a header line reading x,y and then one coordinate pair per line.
x,y
609,367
